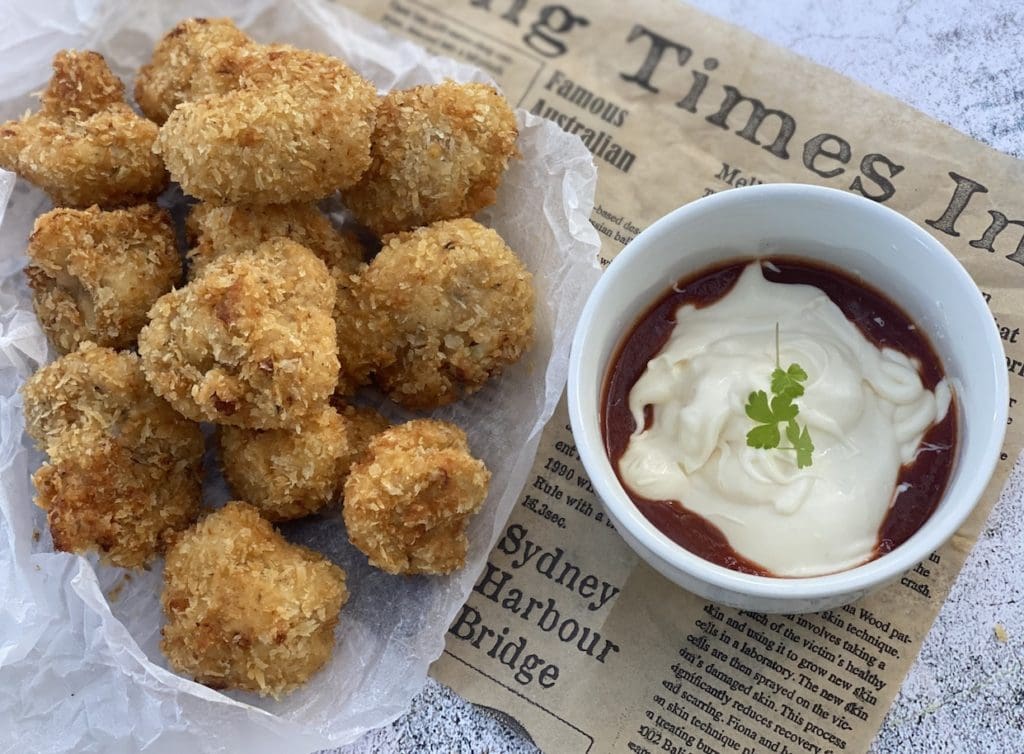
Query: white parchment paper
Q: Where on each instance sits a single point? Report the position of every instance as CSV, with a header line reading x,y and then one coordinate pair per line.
x,y
80,665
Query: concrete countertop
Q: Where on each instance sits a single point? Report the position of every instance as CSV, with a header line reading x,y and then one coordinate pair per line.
x,y
958,61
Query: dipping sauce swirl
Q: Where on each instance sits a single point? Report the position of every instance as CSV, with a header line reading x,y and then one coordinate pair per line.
x,y
876,403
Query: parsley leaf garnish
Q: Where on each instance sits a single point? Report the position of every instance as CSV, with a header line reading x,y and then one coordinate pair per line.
x,y
768,414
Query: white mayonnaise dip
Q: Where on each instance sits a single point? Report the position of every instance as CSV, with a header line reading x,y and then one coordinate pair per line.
x,y
865,408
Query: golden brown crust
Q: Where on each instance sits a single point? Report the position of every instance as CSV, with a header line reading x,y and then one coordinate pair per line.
x,y
124,469
223,230
361,425
182,67
245,609
453,306
85,145
296,128
438,152
97,496
100,391
289,474
365,336
250,342
409,498
94,274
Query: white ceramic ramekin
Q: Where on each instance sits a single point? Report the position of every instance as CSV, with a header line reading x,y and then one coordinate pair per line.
x,y
866,239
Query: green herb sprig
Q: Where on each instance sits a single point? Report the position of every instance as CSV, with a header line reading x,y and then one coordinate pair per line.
x,y
786,387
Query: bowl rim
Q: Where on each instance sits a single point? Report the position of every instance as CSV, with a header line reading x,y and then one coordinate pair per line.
x,y
676,557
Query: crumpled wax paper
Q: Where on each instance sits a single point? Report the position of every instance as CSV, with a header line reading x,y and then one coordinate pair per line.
x,y
80,665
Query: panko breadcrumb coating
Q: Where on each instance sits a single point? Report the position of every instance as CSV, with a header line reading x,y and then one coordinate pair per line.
x,y
296,128
98,496
250,342
287,473
223,230
94,274
101,391
361,425
245,609
439,152
85,145
455,305
409,498
364,336
182,67
124,468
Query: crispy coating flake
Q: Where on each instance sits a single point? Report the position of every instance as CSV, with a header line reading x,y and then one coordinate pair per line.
x,y
220,230
250,342
181,69
287,473
100,391
362,425
223,230
124,469
452,303
409,498
364,335
98,496
438,153
95,274
85,145
296,128
245,609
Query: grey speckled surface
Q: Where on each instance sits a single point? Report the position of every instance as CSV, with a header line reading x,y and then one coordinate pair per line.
x,y
961,62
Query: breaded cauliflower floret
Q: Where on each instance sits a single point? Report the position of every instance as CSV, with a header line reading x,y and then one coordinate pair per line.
x,y
98,496
289,473
455,306
245,609
250,342
409,498
361,425
183,66
124,467
223,230
85,145
101,391
95,274
295,129
438,153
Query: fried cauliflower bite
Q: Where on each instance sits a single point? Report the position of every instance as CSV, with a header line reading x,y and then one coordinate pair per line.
x,y
250,342
361,425
124,468
94,274
220,230
85,145
296,128
288,474
223,230
454,304
409,498
183,69
438,153
101,391
245,609
98,496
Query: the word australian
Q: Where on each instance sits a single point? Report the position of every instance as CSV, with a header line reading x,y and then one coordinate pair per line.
x,y
657,65
585,591
598,141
